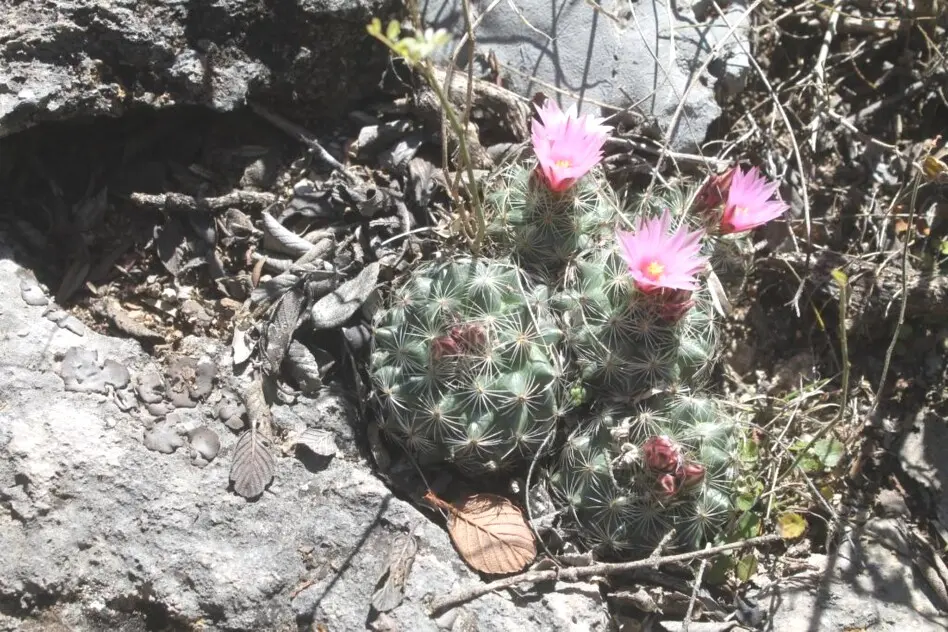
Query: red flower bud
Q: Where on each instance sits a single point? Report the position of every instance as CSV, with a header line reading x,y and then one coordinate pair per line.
x,y
690,474
714,192
470,337
666,486
673,304
661,454
443,347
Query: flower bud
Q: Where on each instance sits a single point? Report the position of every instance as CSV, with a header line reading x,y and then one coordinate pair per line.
x,y
690,474
666,486
661,454
713,193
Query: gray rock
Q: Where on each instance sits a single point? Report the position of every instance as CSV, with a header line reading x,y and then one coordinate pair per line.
x,y
100,533
615,57
922,455
869,584
66,58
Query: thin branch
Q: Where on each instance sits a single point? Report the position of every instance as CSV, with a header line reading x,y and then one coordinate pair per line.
x,y
182,203
575,573
694,594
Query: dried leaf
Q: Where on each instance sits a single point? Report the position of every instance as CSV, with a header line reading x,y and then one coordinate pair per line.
x,y
791,525
279,238
490,533
395,573
718,296
279,331
274,288
252,469
319,442
336,307
240,348
306,368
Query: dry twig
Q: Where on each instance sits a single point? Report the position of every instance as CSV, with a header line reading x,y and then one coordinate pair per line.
x,y
576,573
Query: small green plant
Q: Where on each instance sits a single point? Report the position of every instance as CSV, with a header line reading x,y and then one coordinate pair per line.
x,y
466,365
416,50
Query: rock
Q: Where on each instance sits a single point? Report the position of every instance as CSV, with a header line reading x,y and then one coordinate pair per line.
x,y
609,56
134,539
922,457
870,584
62,59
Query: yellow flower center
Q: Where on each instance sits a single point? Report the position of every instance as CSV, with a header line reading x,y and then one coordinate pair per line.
x,y
654,270
740,210
563,164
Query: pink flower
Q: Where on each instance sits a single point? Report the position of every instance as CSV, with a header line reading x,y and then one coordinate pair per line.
x,y
659,259
661,454
666,486
749,202
566,145
690,474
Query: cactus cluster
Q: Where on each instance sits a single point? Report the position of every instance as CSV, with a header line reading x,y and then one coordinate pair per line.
x,y
629,476
478,361
465,364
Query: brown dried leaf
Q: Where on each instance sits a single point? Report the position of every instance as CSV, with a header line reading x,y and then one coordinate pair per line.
x,y
491,534
394,575
252,468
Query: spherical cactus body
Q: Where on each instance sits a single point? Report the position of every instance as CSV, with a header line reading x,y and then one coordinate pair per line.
x,y
546,229
630,475
466,365
626,342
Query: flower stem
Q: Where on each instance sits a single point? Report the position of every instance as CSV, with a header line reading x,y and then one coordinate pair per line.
x,y
460,132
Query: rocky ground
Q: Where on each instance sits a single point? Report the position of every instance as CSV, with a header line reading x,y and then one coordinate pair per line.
x,y
150,260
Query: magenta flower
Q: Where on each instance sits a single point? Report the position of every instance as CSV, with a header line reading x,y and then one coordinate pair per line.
x,y
749,202
566,145
662,454
659,259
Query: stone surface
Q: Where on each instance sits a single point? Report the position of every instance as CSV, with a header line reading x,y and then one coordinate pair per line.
x,y
630,53
922,455
101,533
60,59
870,584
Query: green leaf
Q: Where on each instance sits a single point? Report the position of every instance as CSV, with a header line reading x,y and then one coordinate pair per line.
x,y
744,502
748,525
943,247
393,31
840,277
746,567
718,569
791,525
810,463
828,451
374,27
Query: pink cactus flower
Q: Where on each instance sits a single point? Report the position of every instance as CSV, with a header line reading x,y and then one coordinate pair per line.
x,y
661,260
691,474
662,454
749,202
666,486
566,145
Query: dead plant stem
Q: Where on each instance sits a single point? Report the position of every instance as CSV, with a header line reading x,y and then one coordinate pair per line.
x,y
904,302
572,574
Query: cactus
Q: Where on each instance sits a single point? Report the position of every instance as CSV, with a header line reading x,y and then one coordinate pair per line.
x,y
627,342
628,480
546,229
465,365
